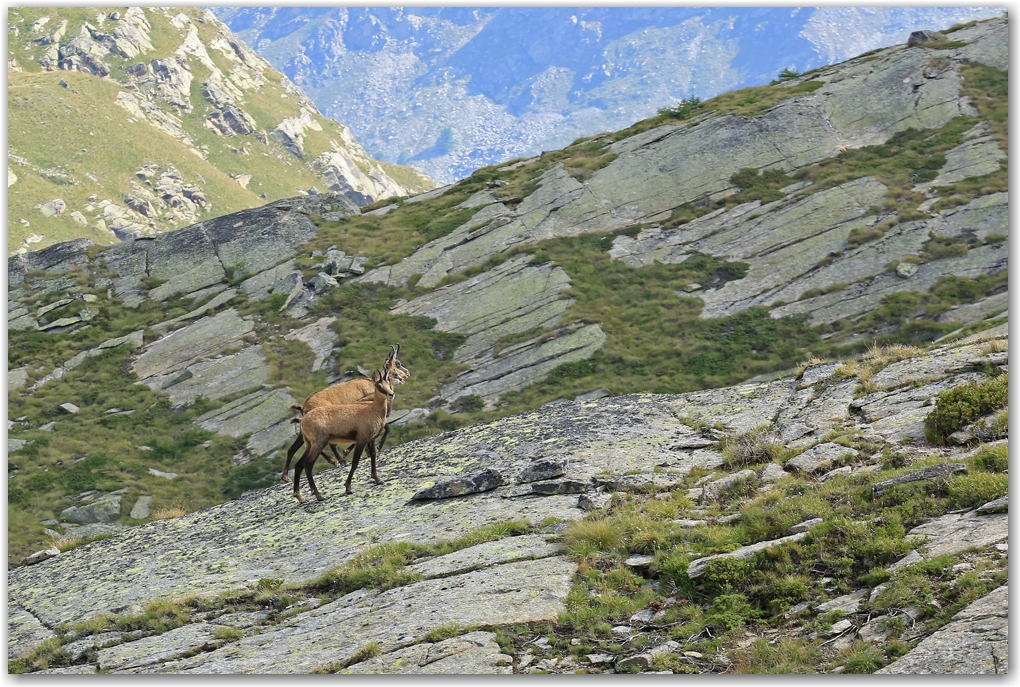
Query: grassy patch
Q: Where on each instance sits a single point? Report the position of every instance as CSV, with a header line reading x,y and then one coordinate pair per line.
x,y
955,408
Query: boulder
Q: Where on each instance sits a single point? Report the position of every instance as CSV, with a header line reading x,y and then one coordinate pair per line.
x,y
69,408
806,525
469,484
927,474
545,469
103,509
564,486
974,642
140,510
773,472
696,568
591,500
40,556
711,491
819,457
921,37
468,654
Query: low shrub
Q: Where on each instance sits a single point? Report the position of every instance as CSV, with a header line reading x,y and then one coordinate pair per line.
x,y
955,408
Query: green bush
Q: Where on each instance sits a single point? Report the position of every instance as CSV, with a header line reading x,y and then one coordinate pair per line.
x,y
955,408
467,404
993,458
685,109
729,611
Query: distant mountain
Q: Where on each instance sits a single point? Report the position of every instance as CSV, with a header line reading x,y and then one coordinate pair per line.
x,y
131,121
451,89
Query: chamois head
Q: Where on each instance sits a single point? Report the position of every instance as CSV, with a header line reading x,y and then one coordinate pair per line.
x,y
392,367
382,384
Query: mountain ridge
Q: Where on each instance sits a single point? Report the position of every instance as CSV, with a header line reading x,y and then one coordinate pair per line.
x,y
453,89
172,116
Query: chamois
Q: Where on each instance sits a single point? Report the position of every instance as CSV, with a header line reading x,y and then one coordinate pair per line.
x,y
351,423
350,391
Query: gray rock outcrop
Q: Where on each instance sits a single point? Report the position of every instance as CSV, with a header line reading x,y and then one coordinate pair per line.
x,y
974,643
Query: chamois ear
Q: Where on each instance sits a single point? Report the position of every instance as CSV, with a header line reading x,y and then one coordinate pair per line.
x,y
377,376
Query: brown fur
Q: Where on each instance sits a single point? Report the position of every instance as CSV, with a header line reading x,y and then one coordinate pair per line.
x,y
356,423
351,391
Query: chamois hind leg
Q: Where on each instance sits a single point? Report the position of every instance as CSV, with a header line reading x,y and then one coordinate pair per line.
x,y
309,464
358,448
339,460
284,477
347,451
371,454
312,452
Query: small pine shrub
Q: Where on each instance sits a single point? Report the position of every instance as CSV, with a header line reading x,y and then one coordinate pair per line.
x,y
957,407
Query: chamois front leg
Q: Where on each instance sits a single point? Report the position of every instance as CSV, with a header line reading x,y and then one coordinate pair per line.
x,y
284,477
297,473
382,441
371,454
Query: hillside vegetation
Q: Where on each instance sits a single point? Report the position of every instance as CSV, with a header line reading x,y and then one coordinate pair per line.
x,y
604,268
93,101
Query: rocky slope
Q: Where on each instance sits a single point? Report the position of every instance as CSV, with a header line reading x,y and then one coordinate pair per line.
x,y
602,269
452,89
888,548
131,121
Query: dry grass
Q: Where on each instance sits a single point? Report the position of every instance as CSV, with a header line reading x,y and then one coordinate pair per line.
x,y
173,510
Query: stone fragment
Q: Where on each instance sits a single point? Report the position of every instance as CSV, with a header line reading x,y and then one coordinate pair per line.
x,y
54,207
506,550
320,338
905,270
204,338
848,603
921,37
103,509
957,532
697,567
473,653
1000,505
17,444
564,486
639,561
599,659
773,472
819,457
140,510
84,669
817,373
713,490
635,661
545,469
24,631
685,522
845,470
930,473
322,282
875,630
645,615
909,559
591,500
840,627
17,378
156,649
513,593
160,473
471,484
69,408
974,642
40,556
806,525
